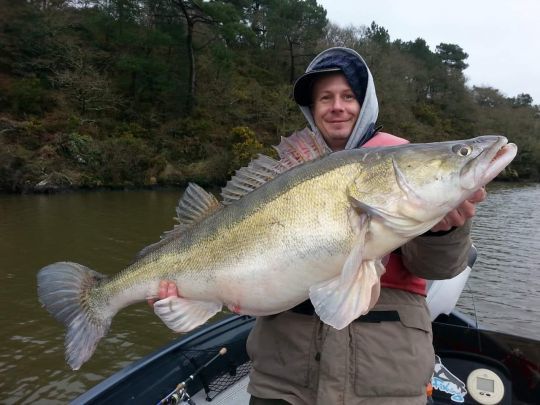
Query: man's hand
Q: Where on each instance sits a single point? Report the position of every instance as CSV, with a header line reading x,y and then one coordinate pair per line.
x,y
461,214
167,288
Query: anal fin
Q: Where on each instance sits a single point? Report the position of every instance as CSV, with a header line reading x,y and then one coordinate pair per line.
x,y
183,315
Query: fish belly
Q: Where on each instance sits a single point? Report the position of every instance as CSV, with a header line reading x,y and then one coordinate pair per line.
x,y
270,277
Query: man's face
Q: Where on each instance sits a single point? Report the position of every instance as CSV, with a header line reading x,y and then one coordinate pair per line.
x,y
335,109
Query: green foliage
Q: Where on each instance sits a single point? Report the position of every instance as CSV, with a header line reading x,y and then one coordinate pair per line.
x,y
488,97
28,96
125,161
15,165
128,93
427,114
245,147
522,100
82,150
378,34
452,56
289,30
208,172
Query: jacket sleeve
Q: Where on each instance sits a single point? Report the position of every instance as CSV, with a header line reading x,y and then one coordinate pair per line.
x,y
438,257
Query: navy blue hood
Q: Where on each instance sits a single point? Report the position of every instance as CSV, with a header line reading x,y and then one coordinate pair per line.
x,y
351,64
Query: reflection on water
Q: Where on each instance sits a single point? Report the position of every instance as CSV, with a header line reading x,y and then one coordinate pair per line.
x,y
104,230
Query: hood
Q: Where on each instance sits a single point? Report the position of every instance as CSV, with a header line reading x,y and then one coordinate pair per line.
x,y
359,77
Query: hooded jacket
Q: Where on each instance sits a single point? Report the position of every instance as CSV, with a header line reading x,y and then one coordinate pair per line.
x,y
351,64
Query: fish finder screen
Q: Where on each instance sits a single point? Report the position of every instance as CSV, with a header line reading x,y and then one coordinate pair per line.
x,y
483,384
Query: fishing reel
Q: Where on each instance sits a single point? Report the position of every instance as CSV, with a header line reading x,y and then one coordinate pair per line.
x,y
180,396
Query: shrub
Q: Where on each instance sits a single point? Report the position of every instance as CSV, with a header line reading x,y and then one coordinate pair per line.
x,y
245,148
28,96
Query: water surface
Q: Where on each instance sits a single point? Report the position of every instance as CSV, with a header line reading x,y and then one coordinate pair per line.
x,y
504,287
104,231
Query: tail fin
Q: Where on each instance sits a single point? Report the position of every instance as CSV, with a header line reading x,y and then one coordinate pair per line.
x,y
63,290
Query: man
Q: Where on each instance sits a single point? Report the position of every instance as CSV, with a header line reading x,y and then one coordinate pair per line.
x,y
386,356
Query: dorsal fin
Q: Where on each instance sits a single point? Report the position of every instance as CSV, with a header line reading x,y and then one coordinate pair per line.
x,y
300,147
195,205
247,179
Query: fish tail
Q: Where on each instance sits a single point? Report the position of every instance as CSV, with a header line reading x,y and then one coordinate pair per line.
x,y
63,289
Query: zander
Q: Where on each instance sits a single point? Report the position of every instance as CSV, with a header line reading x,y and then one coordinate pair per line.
x,y
314,224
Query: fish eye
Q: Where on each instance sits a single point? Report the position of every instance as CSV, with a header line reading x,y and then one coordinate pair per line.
x,y
462,149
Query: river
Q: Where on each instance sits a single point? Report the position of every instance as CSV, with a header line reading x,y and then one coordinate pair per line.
x,y
104,230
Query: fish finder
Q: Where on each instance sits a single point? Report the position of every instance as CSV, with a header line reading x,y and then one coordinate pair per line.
x,y
485,387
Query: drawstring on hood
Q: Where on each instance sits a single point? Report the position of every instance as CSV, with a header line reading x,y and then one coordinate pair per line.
x,y
351,64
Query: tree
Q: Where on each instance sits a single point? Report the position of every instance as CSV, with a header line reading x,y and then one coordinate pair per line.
x,y
522,100
350,37
453,56
90,90
488,97
378,34
294,25
224,23
193,14
426,73
420,50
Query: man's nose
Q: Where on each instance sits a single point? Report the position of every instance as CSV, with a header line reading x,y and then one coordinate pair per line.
x,y
337,103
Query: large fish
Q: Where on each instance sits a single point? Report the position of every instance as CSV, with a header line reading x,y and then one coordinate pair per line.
x,y
285,230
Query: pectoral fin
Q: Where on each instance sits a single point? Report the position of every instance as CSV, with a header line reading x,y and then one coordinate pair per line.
x,y
183,315
401,224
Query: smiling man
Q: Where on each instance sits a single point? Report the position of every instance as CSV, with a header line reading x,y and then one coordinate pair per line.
x,y
335,109
386,356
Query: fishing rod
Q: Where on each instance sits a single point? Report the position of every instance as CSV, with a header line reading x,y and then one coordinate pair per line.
x,y
179,394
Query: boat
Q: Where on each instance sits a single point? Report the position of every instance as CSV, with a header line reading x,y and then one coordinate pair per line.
x,y
473,365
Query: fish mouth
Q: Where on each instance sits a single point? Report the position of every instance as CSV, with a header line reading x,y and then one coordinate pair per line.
x,y
496,153
497,158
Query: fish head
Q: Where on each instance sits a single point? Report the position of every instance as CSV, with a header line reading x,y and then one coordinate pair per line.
x,y
435,178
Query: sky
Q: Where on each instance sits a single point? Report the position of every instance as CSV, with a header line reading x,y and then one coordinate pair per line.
x,y
502,37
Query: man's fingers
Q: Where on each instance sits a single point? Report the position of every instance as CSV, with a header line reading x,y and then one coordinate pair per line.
x,y
461,214
171,290
441,226
478,196
163,288
454,218
166,289
467,210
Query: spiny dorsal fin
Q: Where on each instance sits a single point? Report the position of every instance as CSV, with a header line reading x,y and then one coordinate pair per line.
x,y
300,147
247,179
195,205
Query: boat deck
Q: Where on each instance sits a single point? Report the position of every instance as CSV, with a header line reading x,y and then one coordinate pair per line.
x,y
236,394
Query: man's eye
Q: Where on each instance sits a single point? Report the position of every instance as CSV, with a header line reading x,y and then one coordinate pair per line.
x,y
349,97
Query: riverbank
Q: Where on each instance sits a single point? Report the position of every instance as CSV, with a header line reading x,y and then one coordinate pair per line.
x,y
57,184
